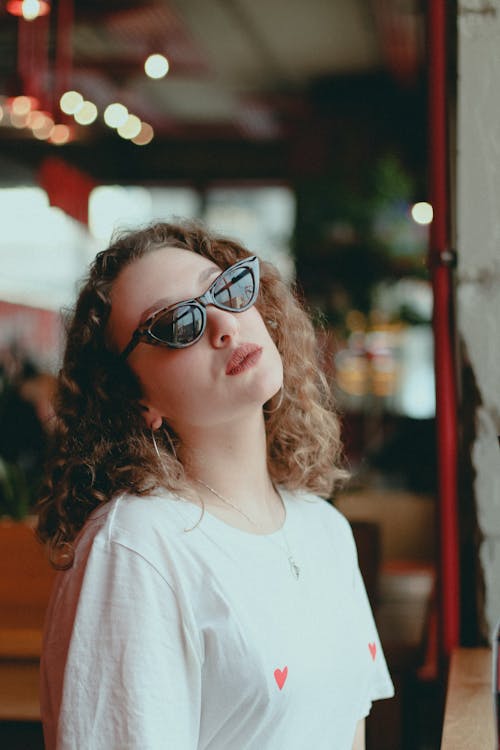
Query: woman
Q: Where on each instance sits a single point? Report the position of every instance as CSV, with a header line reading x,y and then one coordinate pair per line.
x,y
209,598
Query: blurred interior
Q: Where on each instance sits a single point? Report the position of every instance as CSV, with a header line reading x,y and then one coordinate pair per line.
x,y
298,128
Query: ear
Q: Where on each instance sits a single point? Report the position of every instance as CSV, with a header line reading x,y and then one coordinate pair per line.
x,y
152,417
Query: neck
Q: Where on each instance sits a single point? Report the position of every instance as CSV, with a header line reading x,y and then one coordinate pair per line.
x,y
231,459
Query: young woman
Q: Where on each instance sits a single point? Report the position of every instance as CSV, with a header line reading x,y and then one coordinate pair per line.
x,y
209,598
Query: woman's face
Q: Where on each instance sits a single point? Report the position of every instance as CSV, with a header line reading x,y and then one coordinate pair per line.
x,y
197,386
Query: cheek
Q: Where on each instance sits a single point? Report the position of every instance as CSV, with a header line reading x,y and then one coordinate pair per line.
x,y
166,376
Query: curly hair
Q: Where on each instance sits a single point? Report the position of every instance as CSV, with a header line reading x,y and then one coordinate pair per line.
x,y
102,444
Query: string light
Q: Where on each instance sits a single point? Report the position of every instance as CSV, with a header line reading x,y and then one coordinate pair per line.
x,y
145,135
86,114
71,102
131,128
115,115
21,105
18,121
44,129
60,134
36,119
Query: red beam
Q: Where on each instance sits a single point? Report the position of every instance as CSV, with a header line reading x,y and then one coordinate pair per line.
x,y
443,323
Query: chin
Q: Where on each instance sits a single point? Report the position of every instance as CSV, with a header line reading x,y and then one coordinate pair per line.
x,y
273,388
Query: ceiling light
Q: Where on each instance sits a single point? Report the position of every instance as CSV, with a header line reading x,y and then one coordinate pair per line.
x,y
131,128
145,136
71,102
115,115
86,114
156,66
28,9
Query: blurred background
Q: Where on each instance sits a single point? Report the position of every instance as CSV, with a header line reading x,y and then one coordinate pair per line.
x,y
301,130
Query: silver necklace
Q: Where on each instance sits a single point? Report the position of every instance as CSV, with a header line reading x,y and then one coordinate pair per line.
x,y
291,561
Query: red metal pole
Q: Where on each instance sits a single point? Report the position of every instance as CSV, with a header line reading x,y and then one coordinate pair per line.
x,y
64,49
440,262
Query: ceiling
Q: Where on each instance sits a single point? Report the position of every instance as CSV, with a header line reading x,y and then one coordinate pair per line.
x,y
240,70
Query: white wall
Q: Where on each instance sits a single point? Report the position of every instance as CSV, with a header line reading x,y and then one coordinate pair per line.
x,y
478,245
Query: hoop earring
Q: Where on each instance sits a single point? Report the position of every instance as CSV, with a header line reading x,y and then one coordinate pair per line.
x,y
170,442
156,449
278,405
166,474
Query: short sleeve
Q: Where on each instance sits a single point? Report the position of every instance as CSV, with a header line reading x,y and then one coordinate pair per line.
x,y
132,674
378,683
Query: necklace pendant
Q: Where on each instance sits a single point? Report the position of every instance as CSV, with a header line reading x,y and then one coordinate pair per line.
x,y
294,567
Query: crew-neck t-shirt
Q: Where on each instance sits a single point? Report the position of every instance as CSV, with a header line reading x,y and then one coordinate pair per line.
x,y
162,638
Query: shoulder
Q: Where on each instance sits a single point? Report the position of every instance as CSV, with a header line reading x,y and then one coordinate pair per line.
x,y
319,507
146,525
322,517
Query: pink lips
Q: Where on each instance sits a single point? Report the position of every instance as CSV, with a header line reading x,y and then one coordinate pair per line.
x,y
244,357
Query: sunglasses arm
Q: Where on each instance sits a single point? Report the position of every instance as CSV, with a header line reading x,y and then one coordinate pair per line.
x,y
131,345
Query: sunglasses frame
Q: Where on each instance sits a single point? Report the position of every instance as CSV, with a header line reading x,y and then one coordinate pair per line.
x,y
144,334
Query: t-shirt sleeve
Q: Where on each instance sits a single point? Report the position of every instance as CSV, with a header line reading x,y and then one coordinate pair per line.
x,y
132,677
375,680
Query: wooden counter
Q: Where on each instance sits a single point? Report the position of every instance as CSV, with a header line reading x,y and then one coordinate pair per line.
x,y
469,715
19,690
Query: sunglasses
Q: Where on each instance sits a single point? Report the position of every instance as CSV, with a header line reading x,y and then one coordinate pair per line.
x,y
183,324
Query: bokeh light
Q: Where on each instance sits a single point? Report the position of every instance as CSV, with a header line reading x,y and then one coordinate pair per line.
x,y
21,105
71,102
31,9
44,128
19,121
87,114
28,9
145,135
131,128
115,115
422,213
36,119
156,66
60,134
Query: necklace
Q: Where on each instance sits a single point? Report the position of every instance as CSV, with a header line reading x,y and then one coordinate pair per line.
x,y
291,561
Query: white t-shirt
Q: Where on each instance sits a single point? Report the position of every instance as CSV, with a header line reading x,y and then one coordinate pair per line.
x,y
161,639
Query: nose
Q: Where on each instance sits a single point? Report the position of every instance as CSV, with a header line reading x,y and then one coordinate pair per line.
x,y
222,326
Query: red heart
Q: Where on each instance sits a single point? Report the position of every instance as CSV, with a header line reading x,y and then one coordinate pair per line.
x,y
280,676
373,650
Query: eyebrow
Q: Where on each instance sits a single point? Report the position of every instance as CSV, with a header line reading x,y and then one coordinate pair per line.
x,y
167,301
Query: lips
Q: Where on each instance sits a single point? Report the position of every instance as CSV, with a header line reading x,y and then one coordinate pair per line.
x,y
244,357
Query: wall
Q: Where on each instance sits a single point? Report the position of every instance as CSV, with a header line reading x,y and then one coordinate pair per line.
x,y
478,273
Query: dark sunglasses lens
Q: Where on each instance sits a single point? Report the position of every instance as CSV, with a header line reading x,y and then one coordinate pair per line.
x,y
179,326
235,289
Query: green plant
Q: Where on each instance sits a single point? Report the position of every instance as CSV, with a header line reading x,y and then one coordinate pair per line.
x,y
15,491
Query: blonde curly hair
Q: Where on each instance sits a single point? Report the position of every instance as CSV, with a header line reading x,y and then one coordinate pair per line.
x,y
103,446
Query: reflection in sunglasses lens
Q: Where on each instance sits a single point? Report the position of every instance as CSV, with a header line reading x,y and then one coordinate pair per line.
x,y
179,326
235,290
